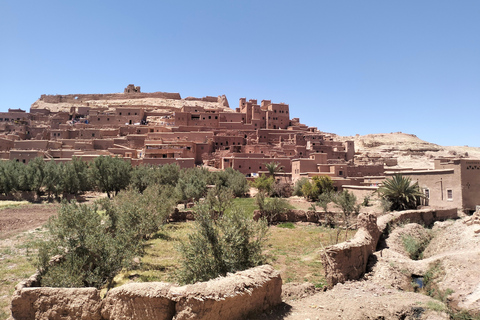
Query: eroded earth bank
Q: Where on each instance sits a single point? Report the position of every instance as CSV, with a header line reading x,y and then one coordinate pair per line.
x,y
444,279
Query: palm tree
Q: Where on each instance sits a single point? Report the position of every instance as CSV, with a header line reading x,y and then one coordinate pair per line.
x,y
273,167
400,191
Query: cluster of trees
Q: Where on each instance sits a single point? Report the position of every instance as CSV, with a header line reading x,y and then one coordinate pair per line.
x,y
110,175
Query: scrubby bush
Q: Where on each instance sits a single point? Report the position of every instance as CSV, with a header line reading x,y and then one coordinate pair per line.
x,y
230,179
192,185
90,254
232,243
141,214
312,190
346,201
281,190
218,200
263,183
414,246
110,174
297,190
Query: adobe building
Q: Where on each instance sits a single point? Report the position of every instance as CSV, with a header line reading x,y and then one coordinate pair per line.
x,y
159,128
452,183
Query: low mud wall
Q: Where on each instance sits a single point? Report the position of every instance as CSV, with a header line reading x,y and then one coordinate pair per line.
x,y
231,297
348,260
424,217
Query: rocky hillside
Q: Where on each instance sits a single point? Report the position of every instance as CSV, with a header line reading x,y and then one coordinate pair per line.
x,y
408,150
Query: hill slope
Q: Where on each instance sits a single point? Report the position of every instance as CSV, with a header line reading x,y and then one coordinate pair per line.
x,y
409,150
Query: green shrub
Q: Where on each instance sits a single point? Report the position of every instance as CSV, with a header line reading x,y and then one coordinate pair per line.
x,y
232,180
91,255
140,214
232,243
264,184
281,190
415,247
297,189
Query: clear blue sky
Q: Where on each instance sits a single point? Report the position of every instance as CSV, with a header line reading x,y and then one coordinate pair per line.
x,y
346,67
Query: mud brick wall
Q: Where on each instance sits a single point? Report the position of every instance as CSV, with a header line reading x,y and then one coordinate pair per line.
x,y
231,297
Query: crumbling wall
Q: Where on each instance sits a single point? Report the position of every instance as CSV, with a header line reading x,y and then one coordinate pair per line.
x,y
231,297
348,260
424,217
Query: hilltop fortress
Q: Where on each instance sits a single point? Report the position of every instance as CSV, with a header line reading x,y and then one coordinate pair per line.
x,y
159,128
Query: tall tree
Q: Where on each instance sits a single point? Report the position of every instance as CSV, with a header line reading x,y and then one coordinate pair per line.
x,y
110,175
35,174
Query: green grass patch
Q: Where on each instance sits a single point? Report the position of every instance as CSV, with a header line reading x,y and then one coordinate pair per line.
x,y
288,225
296,252
248,204
12,204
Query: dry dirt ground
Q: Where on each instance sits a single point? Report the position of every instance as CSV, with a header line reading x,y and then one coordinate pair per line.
x,y
23,218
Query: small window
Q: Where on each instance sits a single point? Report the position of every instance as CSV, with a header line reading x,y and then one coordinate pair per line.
x,y
340,173
427,193
449,194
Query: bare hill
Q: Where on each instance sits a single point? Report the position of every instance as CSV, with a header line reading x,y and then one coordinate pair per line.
x,y
409,150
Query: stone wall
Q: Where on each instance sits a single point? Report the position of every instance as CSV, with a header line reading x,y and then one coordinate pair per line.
x,y
348,260
231,297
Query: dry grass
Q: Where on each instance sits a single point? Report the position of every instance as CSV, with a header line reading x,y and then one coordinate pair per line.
x,y
293,251
17,256
296,252
12,204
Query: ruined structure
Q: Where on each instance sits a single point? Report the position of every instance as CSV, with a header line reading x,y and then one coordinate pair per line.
x,y
159,128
